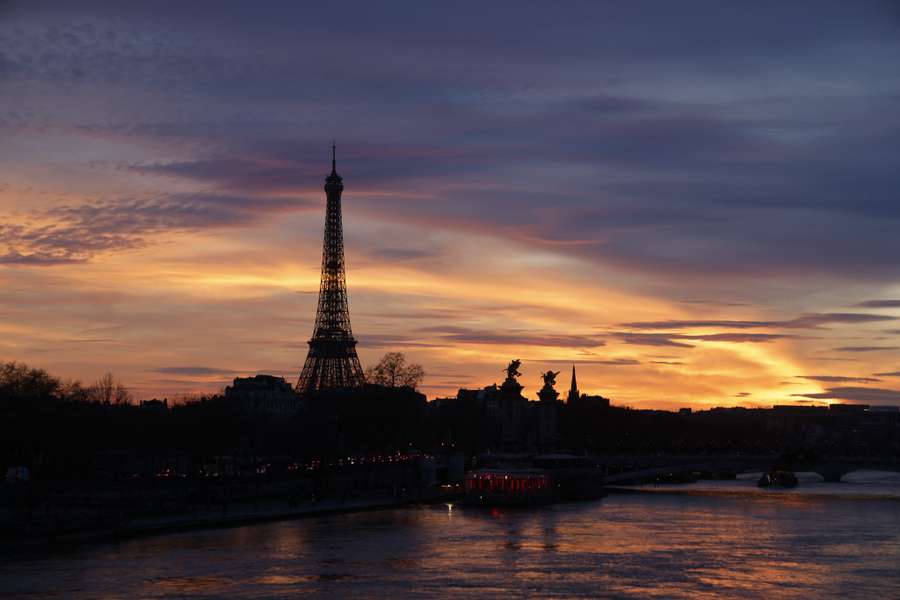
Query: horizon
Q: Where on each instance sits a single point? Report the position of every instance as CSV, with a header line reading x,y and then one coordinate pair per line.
x,y
696,208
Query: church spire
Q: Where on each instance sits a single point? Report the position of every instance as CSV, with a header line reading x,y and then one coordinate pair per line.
x,y
573,390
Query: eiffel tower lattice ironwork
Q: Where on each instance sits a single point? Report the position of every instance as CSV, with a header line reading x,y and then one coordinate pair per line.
x,y
332,362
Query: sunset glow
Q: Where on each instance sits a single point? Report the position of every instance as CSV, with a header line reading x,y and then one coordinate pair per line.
x,y
705,241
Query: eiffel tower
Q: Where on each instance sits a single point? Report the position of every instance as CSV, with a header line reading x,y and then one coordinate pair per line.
x,y
332,362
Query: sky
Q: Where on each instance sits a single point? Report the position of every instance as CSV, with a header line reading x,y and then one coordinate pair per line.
x,y
695,203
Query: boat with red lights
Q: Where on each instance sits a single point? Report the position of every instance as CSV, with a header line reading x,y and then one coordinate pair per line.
x,y
508,487
549,478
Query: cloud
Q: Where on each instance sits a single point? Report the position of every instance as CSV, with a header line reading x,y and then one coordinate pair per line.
x,y
39,259
262,175
809,321
512,338
76,233
673,138
880,304
672,339
614,362
199,371
686,324
735,337
865,348
396,341
613,222
888,374
402,254
91,341
814,321
856,394
838,379
650,339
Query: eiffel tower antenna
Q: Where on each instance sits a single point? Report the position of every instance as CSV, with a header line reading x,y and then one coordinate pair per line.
x,y
332,362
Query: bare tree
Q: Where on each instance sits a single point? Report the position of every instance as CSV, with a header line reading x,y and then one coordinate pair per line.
x,y
102,390
392,371
107,390
121,395
73,391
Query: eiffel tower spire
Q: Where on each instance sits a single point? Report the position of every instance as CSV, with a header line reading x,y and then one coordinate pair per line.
x,y
332,362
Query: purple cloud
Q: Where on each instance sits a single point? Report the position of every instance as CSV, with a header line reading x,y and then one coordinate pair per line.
x,y
39,259
838,379
650,339
880,304
856,394
199,371
612,362
865,348
75,233
513,338
672,339
809,321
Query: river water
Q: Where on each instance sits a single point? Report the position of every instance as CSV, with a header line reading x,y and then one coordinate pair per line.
x,y
707,540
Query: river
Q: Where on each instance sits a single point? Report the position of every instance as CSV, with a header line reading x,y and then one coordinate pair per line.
x,y
707,540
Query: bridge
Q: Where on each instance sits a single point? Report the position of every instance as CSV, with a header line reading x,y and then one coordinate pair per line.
x,y
621,469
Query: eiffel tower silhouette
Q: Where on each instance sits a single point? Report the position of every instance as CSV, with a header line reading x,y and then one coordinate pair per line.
x,y
332,362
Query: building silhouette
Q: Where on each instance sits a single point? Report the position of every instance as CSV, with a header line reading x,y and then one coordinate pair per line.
x,y
332,362
262,394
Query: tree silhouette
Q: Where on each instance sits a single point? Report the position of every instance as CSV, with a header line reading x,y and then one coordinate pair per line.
x,y
392,371
109,391
19,382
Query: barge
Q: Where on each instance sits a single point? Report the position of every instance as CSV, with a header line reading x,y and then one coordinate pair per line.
x,y
549,478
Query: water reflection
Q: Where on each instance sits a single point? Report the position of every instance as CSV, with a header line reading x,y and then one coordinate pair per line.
x,y
741,545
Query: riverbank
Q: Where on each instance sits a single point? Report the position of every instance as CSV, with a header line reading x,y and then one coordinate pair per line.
x,y
234,515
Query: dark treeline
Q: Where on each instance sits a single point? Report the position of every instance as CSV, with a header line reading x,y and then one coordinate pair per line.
x,y
87,458
79,459
62,430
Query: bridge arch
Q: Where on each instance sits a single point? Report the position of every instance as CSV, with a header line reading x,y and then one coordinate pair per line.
x,y
831,470
834,472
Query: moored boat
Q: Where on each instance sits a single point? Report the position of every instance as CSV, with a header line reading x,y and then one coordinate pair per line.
x,y
508,487
777,479
552,478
